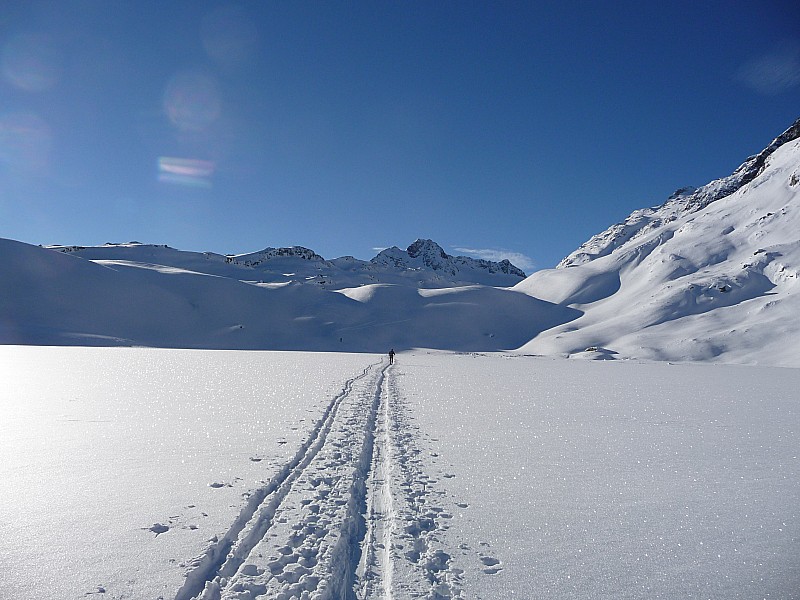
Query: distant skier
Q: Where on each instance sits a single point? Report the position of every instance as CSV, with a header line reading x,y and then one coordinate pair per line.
x,y
391,356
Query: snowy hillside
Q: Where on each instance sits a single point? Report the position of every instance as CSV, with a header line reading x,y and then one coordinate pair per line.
x,y
423,264
683,202
710,275
156,296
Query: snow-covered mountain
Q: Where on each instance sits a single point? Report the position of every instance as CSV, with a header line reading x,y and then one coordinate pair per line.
x,y
712,274
427,256
684,201
423,264
135,294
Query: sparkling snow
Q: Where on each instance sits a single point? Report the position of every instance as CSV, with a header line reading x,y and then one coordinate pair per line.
x,y
496,476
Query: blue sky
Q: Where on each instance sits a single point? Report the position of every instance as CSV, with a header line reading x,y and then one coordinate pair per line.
x,y
513,129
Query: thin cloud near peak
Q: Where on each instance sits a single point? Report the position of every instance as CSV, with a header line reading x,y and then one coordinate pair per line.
x,y
526,263
773,73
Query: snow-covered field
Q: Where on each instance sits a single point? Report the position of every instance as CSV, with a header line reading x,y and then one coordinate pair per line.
x,y
310,475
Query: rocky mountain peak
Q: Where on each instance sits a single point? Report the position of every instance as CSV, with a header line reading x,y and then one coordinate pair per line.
x,y
426,248
432,256
257,258
506,266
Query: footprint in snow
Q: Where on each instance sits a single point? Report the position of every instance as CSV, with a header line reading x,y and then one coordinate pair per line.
x,y
492,565
158,528
100,590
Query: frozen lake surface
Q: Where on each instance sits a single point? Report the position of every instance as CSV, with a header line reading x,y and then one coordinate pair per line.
x,y
145,473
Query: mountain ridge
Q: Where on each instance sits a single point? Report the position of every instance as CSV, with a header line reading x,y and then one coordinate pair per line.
x,y
682,201
423,263
713,274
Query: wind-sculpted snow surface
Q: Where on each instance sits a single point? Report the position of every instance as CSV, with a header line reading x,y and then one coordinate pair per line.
x,y
719,282
54,298
120,465
141,473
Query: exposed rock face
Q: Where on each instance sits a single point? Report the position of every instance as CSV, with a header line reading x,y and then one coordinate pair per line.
x,y
257,258
427,254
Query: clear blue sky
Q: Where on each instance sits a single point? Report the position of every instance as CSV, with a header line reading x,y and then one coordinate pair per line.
x,y
525,127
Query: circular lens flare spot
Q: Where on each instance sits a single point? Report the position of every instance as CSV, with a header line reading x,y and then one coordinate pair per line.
x,y
31,62
192,101
25,143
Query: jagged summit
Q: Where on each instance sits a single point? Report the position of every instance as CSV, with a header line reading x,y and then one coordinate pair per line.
x,y
426,254
684,201
421,254
255,259
423,264
428,249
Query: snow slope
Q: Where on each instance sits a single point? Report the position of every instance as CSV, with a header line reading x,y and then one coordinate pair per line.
x,y
684,201
423,264
707,276
150,473
60,298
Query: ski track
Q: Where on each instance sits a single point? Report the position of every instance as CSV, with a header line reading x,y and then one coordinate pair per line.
x,y
419,568
352,516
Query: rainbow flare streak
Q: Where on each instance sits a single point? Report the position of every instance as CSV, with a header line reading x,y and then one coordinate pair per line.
x,y
190,172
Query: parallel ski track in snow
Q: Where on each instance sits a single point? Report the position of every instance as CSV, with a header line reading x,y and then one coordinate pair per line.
x,y
348,518
229,552
375,569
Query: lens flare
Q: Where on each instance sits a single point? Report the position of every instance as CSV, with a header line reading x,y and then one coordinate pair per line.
x,y
31,62
192,101
25,143
189,172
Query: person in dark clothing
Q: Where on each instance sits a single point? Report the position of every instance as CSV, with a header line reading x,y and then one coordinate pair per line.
x,y
391,356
